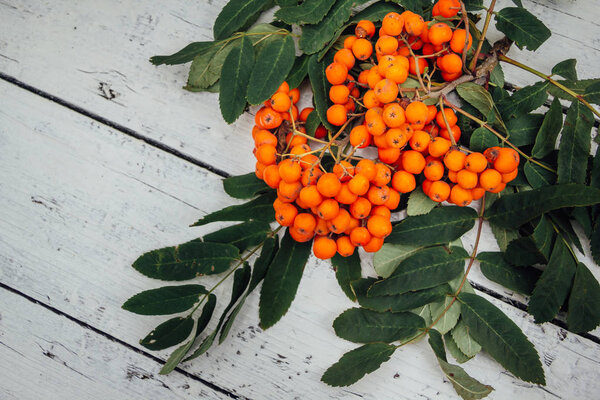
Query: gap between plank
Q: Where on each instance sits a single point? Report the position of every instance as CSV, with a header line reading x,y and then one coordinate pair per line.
x,y
192,160
117,340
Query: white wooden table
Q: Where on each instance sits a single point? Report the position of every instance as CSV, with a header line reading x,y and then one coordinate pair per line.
x,y
104,157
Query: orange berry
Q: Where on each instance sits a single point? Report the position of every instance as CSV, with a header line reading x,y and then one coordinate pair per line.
x,y
490,179
421,63
298,236
420,141
450,117
269,118
374,245
397,73
416,112
310,196
364,28
345,57
393,115
340,222
476,162
381,210
454,160
328,209
498,188
311,175
360,236
367,168
290,170
383,175
370,99
305,223
379,226
413,161
386,45
393,200
285,214
460,196
506,161
295,140
329,185
337,115
360,137
271,176
362,49
466,179
280,101
434,170
344,171
284,87
289,192
453,176
403,181
439,146
378,195
431,113
349,41
266,154
259,170
448,8
305,113
477,192
386,90
413,23
336,73
324,247
509,176
388,155
345,247
338,94
451,63
392,24
439,191
345,196
359,185
373,77
295,96
263,136
439,33
455,132
457,43
321,228
361,208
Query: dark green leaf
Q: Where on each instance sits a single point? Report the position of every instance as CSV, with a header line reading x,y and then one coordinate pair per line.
x,y
390,255
357,363
235,75
575,143
425,269
592,93
298,72
286,3
244,186
562,220
416,6
584,219
261,265
579,87
523,252
522,27
525,100
584,302
446,317
360,325
481,139
454,350
320,87
437,344
524,128
281,283
260,209
566,69
347,269
309,12
169,333
501,338
515,209
187,54
237,15
273,64
553,286
206,67
164,300
242,236
397,303
538,176
479,98
441,225
312,123
503,236
419,203
466,387
467,345
595,243
496,269
497,76
545,140
544,236
241,279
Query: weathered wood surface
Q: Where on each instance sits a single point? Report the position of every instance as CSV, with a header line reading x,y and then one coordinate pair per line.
x,y
81,201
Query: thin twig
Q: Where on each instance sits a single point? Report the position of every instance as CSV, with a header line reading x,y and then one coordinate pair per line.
x,y
486,24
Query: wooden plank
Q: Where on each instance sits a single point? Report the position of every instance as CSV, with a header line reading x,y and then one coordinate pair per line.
x,y
95,55
81,201
46,355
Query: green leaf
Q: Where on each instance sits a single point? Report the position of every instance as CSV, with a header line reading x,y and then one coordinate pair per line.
x,y
466,387
513,210
187,54
397,303
320,87
463,340
501,338
315,37
244,186
281,283
584,302
389,257
523,129
164,300
575,143
237,15
497,76
240,284
357,363
312,123
206,67
186,261
522,27
261,265
496,269
553,286
437,344
525,100
169,333
479,98
592,93
259,209
579,87
235,75
454,350
441,225
273,64
595,244
523,252
538,176
449,318
481,139
298,72
309,12
545,140
503,236
563,221
347,269
416,6
286,3
566,69
242,236
419,203
360,325
425,269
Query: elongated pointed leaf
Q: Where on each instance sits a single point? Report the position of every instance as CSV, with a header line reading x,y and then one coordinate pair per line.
x,y
206,67
496,269
481,99
544,236
524,252
584,302
360,325
242,236
273,64
357,363
503,236
347,269
281,282
396,303
562,220
464,341
437,344
501,338
320,87
482,139
244,186
425,269
235,75
447,319
237,15
595,243
164,300
575,144
261,265
592,93
525,100
169,333
513,210
419,203
523,129
259,209
566,69
522,27
187,54
466,387
299,71
579,87
387,259
545,140
538,176
441,225
309,12
454,350
553,286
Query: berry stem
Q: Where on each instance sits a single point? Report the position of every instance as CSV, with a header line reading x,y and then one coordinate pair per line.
x,y
417,69
465,20
448,128
488,17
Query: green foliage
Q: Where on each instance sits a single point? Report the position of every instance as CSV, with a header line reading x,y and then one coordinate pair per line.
x,y
320,87
575,143
525,100
419,203
523,129
259,209
298,72
281,283
497,76
454,350
390,255
592,93
501,338
360,325
187,54
522,27
538,176
242,236
237,15
495,268
235,75
206,67
579,87
566,69
244,186
347,269
584,301
312,123
446,317
467,345
165,300
481,99
481,139
309,12
466,387
169,333
523,251
357,363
